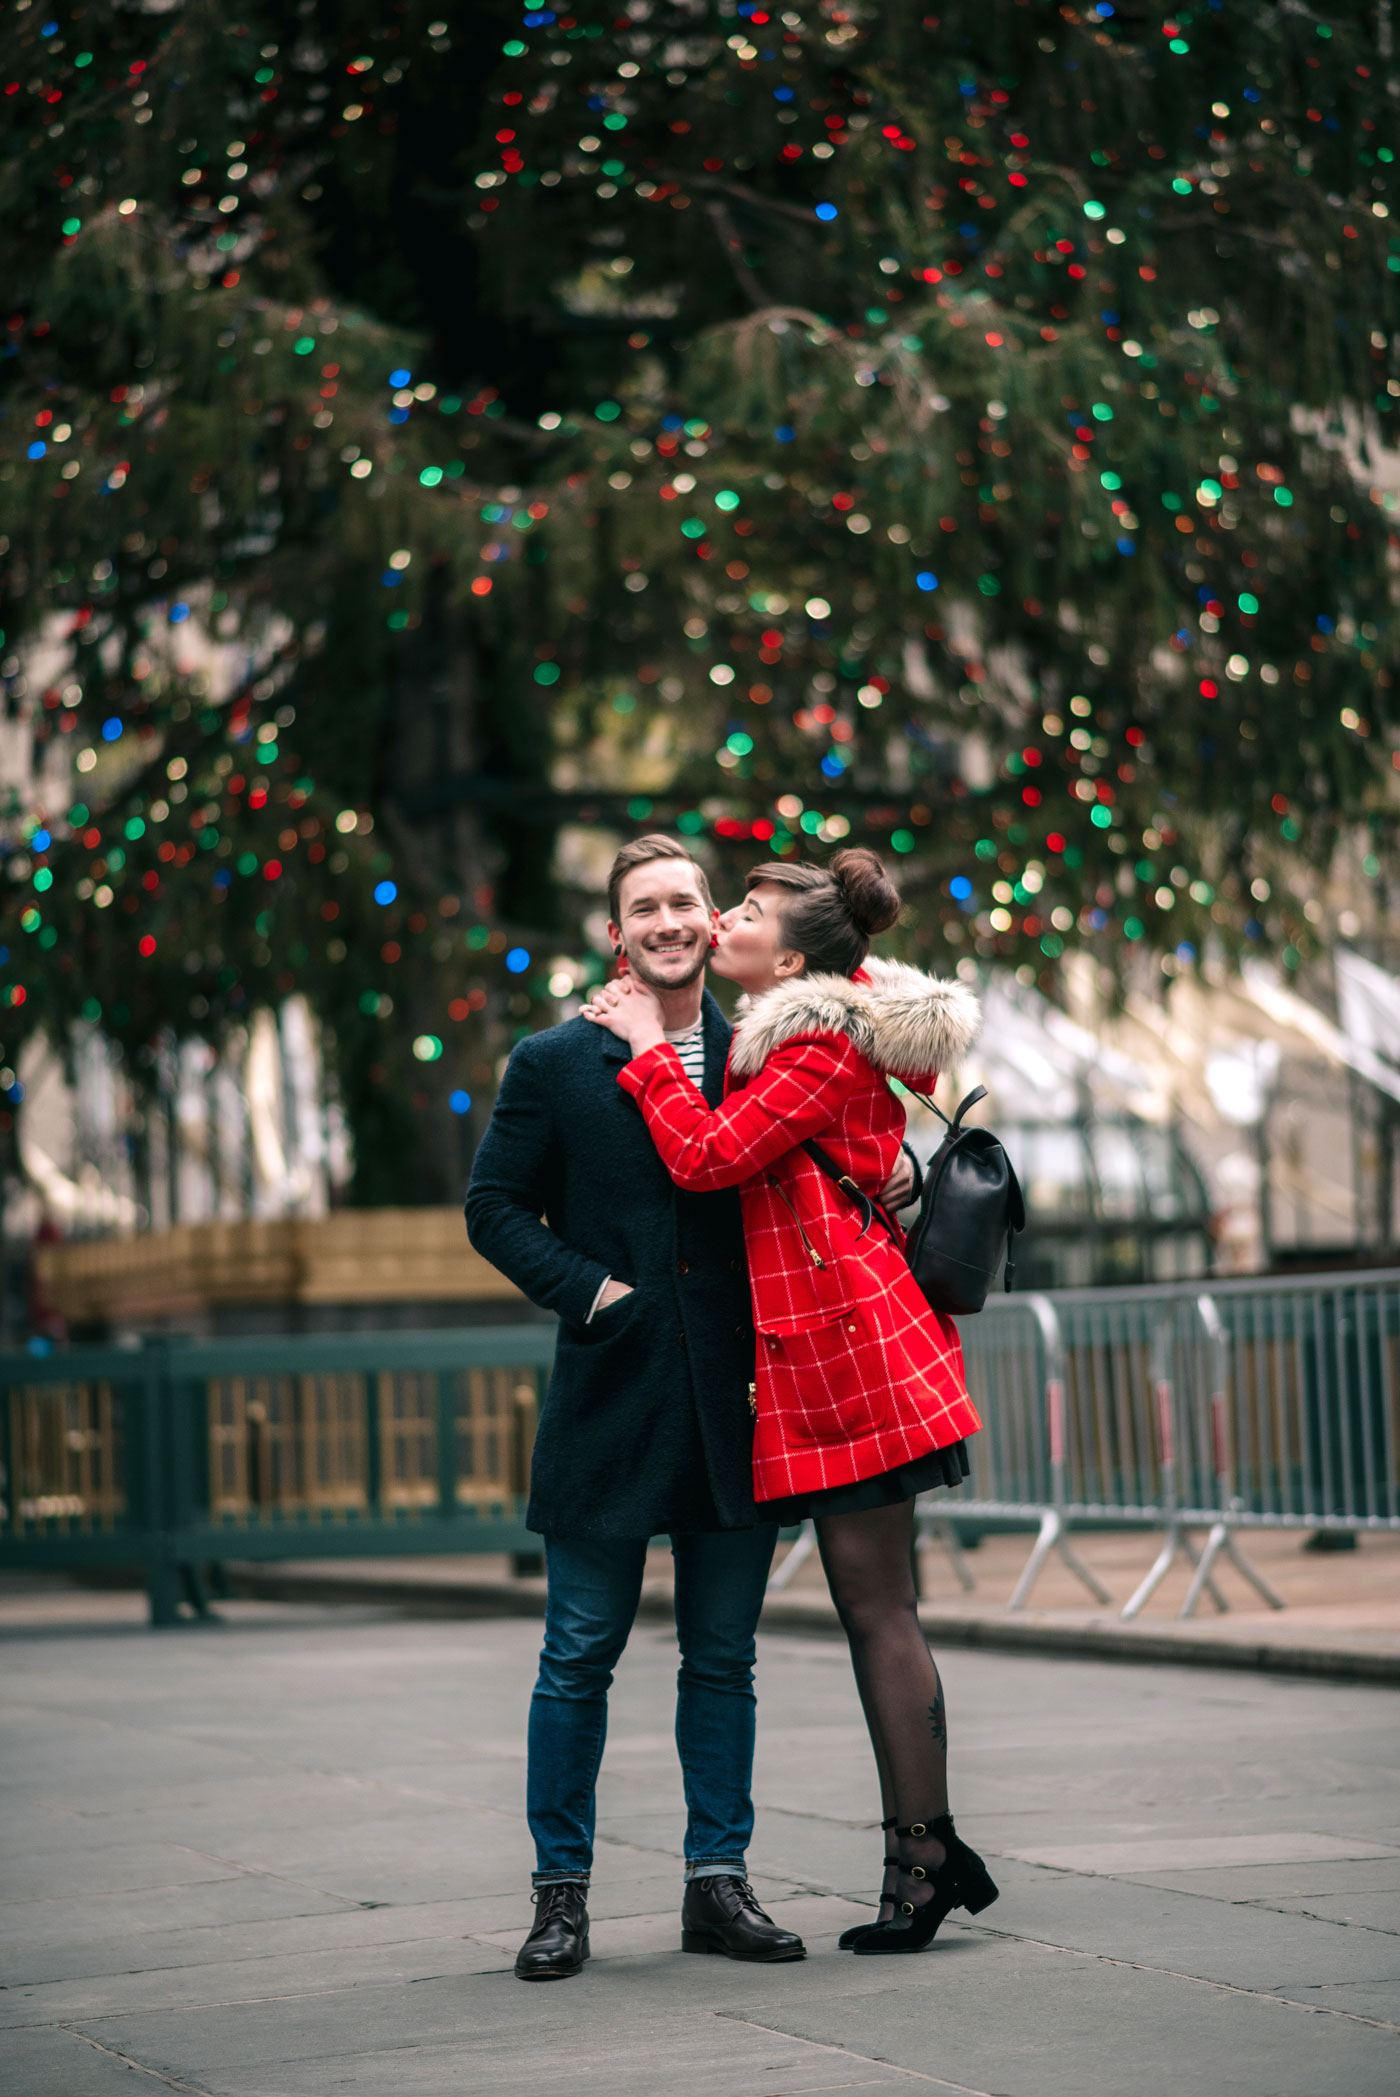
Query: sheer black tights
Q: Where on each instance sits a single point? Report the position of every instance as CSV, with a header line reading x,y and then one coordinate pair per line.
x,y
870,1572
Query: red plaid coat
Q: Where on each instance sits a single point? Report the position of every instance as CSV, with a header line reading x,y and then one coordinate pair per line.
x,y
855,1373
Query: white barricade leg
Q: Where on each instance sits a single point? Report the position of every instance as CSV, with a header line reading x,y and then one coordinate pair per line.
x,y
937,1528
1202,1578
1054,1537
804,1544
1161,1565
1221,1544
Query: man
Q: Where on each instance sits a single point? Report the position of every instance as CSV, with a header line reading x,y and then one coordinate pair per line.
x,y
647,1426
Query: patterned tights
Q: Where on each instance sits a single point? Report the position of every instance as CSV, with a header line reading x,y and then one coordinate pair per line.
x,y
869,1570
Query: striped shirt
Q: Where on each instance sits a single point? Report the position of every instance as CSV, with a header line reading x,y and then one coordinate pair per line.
x,y
690,1047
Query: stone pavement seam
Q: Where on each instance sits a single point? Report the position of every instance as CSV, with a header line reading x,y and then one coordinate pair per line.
x,y
275,1878
1374,1929
171,2082
244,2002
1199,1980
872,2060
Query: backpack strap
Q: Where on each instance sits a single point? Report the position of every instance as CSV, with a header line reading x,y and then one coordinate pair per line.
x,y
869,1209
978,1092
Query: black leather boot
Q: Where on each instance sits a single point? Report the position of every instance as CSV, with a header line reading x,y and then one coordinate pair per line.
x,y
720,1914
558,1944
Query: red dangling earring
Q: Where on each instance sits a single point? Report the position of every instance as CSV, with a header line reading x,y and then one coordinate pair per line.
x,y
714,941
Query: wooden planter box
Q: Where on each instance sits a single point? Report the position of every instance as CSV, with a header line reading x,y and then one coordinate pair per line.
x,y
357,1256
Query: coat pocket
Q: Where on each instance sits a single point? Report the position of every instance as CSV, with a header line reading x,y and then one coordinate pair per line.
x,y
609,1321
819,1383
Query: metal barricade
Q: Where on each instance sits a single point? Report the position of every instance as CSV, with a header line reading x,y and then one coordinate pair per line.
x,y
1248,1405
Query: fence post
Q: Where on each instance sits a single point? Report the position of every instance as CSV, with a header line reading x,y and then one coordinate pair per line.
x,y
1163,1401
443,1383
1221,1540
1054,1534
374,1447
152,1397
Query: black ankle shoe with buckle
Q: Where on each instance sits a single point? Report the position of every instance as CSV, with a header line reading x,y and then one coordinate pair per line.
x,y
721,1915
927,1894
848,1939
558,1944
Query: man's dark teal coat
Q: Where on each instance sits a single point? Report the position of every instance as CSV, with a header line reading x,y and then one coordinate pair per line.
x,y
646,1427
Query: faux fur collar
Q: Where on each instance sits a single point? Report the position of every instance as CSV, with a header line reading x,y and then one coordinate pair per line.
x,y
901,1020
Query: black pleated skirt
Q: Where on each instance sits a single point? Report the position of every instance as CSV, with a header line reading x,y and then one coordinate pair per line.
x,y
946,1467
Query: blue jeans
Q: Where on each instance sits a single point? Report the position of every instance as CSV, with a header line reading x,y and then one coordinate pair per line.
x,y
593,1593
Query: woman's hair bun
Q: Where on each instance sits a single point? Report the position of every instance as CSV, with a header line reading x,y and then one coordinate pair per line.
x,y
870,895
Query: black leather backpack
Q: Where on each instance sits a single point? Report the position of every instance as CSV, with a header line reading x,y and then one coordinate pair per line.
x,y
970,1207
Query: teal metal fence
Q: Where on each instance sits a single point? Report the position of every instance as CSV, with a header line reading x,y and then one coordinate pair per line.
x,y
182,1454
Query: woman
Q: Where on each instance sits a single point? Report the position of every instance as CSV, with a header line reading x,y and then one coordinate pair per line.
x,y
860,1401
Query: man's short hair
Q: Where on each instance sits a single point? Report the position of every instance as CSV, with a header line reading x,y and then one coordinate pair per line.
x,y
641,852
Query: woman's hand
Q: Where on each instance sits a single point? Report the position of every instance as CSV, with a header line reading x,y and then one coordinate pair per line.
x,y
626,1008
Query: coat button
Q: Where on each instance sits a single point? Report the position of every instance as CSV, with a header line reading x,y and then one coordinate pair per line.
x,y
734,1266
682,1266
738,1332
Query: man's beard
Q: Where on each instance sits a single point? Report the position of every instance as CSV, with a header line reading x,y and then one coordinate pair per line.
x,y
638,964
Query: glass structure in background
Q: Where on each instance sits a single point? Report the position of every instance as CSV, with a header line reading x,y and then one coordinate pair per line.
x,y
1108,1199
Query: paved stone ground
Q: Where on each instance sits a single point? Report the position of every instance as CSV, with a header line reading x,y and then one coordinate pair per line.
x,y
285,1856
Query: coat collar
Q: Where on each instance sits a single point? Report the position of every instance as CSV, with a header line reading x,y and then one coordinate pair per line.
x,y
609,1047
904,1022
717,1038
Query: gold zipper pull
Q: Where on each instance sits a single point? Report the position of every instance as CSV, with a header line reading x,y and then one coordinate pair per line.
x,y
781,1192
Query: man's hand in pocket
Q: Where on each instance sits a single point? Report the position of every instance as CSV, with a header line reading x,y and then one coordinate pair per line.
x,y
613,1292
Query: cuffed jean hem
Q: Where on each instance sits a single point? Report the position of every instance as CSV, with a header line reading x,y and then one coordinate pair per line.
x,y
716,1868
559,1878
